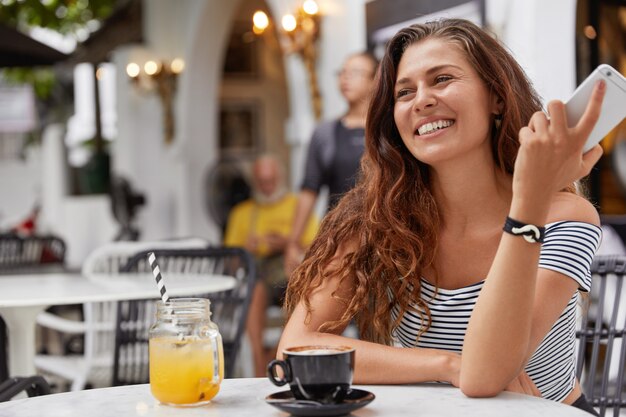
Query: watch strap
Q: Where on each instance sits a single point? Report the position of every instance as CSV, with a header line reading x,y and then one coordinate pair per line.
x,y
530,232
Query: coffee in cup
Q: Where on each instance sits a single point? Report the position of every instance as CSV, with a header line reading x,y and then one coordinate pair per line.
x,y
318,373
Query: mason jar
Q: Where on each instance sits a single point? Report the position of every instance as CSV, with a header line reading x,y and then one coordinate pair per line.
x,y
186,353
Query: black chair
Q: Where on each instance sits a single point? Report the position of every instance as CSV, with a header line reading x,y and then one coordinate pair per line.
x,y
26,254
229,309
602,351
30,253
33,385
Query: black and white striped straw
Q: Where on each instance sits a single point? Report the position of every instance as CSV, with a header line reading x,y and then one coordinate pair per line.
x,y
157,275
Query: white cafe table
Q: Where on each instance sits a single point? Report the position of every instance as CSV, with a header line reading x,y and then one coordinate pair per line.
x,y
23,297
245,398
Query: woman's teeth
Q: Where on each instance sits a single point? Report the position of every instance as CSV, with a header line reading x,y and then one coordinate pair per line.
x,y
431,127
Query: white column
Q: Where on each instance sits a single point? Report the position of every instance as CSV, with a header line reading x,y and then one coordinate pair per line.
x,y
53,179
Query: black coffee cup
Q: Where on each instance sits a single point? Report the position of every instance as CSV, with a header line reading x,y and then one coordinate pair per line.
x,y
318,373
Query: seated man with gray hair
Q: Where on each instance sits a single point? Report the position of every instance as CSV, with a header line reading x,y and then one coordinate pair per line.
x,y
262,225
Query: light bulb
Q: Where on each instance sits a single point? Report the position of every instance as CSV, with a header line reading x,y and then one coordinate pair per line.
x,y
132,69
260,20
289,22
310,7
177,66
151,67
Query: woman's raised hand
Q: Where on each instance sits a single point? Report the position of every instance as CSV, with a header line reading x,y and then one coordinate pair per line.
x,y
550,156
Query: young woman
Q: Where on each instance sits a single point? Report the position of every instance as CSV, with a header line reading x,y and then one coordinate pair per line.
x,y
463,248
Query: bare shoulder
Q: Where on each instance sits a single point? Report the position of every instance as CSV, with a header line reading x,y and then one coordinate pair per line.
x,y
569,206
333,271
345,248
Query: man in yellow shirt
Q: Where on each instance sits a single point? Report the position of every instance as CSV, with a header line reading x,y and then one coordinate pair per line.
x,y
262,225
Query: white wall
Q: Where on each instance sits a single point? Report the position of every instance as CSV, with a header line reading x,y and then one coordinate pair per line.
x,y
541,35
171,175
83,222
20,186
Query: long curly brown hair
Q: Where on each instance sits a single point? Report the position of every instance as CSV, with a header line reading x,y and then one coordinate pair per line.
x,y
392,213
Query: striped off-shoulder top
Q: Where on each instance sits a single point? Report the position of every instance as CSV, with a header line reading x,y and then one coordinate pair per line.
x,y
568,248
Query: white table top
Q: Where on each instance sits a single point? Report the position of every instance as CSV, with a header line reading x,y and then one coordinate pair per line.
x,y
73,288
23,297
245,398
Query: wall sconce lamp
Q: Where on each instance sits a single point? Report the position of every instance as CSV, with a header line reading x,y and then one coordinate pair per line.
x,y
299,34
159,76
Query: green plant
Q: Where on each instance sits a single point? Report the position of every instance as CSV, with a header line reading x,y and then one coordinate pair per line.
x,y
68,17
64,16
42,79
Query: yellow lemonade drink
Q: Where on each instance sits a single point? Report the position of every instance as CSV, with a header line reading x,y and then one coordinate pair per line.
x,y
183,372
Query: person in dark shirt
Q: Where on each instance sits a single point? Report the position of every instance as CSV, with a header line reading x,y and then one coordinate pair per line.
x,y
335,149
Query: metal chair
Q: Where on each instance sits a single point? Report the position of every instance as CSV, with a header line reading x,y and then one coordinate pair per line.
x,y
601,347
26,254
33,385
229,309
94,364
21,254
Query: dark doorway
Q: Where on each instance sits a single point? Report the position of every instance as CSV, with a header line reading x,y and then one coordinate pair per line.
x,y
601,38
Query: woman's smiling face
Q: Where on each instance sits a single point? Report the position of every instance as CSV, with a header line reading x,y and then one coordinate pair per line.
x,y
442,107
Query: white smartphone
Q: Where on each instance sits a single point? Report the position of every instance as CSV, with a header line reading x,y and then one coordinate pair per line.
x,y
613,106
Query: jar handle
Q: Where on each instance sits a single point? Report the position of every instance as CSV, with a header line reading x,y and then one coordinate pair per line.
x,y
216,347
286,371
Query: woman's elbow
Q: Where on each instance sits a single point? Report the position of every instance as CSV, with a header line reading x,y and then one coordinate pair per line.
x,y
479,387
290,337
283,343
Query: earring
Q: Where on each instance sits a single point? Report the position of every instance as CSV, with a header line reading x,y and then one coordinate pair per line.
x,y
497,120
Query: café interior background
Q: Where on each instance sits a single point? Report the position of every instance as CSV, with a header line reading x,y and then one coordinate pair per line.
x,y
240,94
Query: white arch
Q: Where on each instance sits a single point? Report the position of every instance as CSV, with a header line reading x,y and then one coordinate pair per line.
x,y
196,144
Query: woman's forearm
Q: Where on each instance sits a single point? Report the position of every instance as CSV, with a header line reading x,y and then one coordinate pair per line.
x,y
498,335
380,364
